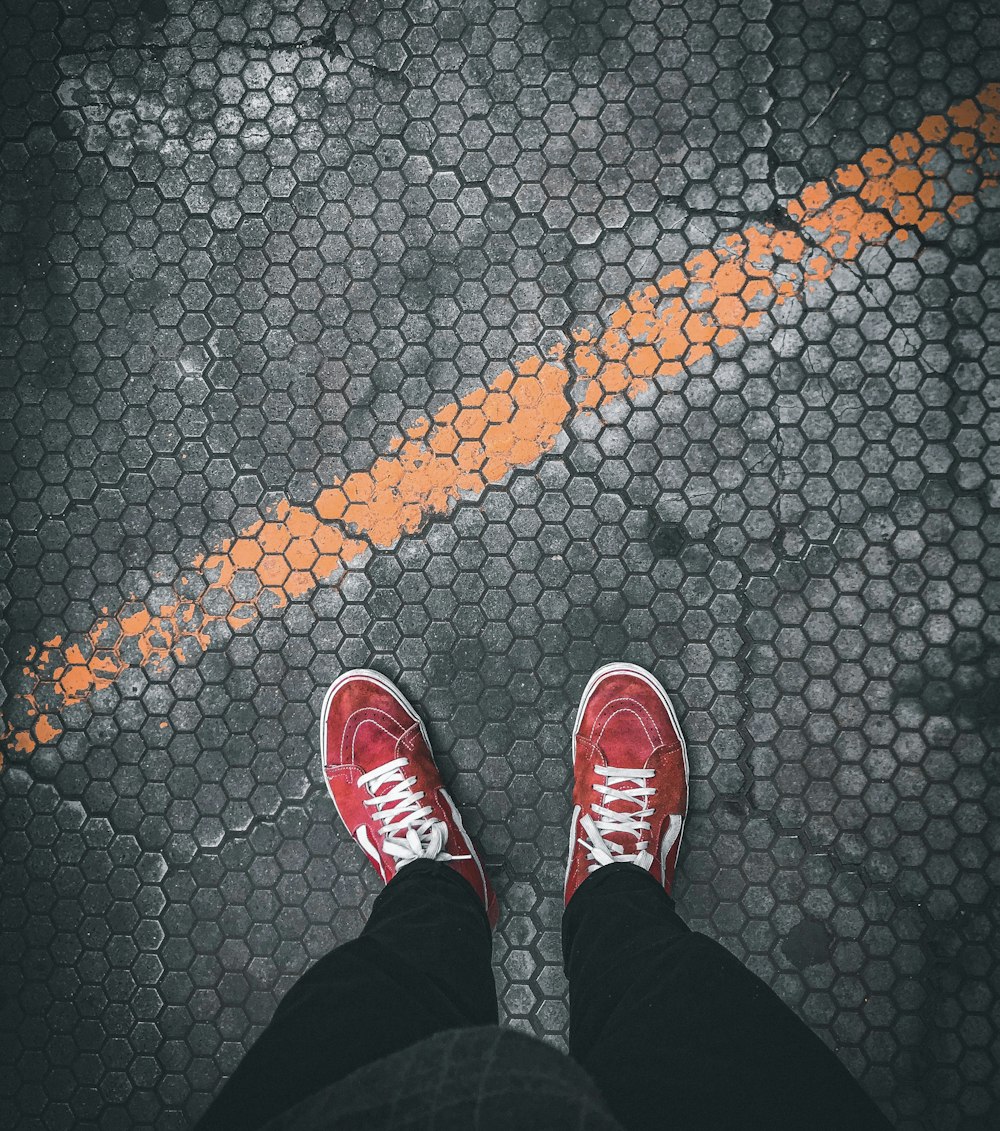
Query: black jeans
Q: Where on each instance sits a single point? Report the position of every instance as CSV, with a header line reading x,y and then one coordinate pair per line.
x,y
673,1030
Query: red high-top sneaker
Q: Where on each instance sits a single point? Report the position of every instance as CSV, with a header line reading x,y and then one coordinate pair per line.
x,y
381,775
631,777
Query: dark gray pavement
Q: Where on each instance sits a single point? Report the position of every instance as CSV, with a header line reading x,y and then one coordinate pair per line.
x,y
242,246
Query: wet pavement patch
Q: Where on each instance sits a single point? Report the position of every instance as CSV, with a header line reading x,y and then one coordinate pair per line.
x,y
807,944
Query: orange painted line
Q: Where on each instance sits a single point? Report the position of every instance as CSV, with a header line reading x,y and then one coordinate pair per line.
x,y
896,191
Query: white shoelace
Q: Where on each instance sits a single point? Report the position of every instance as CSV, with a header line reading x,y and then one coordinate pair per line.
x,y
408,830
633,822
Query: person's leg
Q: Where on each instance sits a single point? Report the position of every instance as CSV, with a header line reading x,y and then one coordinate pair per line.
x,y
675,1031
422,964
669,1024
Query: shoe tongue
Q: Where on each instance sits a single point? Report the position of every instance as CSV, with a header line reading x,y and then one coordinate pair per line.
x,y
385,782
627,841
619,754
628,844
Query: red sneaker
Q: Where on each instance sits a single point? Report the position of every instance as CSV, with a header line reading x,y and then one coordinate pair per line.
x,y
631,777
381,775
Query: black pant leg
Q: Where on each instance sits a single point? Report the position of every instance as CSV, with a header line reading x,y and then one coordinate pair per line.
x,y
422,964
676,1032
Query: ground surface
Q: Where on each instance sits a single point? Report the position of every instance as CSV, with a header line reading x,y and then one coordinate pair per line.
x,y
251,254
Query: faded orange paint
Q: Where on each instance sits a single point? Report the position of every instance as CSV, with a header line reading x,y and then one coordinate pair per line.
x,y
459,452
661,329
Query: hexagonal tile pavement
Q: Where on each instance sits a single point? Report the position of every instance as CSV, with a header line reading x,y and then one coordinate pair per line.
x,y
481,341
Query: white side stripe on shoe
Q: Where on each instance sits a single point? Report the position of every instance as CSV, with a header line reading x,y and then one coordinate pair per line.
x,y
670,838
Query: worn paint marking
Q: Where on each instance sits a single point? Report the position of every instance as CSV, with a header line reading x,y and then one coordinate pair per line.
x,y
907,188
